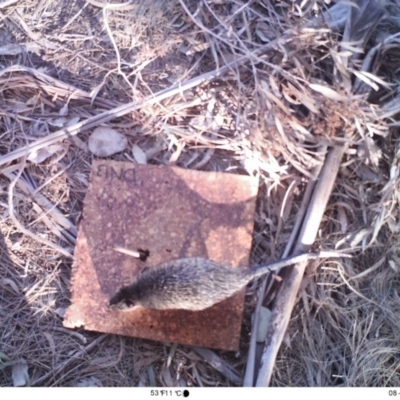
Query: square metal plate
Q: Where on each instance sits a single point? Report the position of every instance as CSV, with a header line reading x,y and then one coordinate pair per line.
x,y
172,213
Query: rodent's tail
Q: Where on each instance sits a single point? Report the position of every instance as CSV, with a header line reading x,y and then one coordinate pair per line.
x,y
258,270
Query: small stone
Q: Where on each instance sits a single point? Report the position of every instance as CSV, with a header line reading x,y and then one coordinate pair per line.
x,y
105,142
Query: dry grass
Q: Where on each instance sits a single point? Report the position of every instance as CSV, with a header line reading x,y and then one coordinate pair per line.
x,y
271,115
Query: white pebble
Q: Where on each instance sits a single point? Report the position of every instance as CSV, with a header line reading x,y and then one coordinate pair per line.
x,y
104,142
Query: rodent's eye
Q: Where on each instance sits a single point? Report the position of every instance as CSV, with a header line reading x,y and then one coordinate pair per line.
x,y
121,306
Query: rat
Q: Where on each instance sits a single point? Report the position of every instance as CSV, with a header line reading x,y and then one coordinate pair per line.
x,y
195,283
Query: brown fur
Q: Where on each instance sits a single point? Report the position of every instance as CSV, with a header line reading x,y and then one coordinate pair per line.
x,y
194,283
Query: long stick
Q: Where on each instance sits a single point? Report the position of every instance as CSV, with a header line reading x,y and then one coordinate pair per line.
x,y
286,297
135,105
251,357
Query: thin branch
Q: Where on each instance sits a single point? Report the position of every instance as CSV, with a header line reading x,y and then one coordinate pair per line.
x,y
286,297
78,354
133,106
18,224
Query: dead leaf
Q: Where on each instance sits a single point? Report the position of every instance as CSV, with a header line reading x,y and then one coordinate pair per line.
x,y
327,92
63,110
274,87
4,357
367,175
394,266
95,91
60,311
342,219
152,376
176,154
50,339
19,374
38,156
167,377
92,381
139,155
144,362
58,122
9,282
274,99
353,240
11,49
264,32
142,381
197,48
304,98
33,100
4,361
374,153
72,121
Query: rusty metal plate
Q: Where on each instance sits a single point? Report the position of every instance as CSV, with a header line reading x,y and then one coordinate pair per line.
x,y
172,213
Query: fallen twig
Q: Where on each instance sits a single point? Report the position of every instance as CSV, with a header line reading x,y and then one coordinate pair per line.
x,y
18,223
134,105
218,364
287,295
78,354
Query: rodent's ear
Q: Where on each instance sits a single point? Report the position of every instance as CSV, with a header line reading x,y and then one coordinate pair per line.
x,y
116,298
122,299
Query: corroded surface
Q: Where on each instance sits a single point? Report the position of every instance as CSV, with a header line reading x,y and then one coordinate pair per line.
x,y
172,213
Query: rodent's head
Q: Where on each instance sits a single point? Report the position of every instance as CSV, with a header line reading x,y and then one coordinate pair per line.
x,y
124,300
